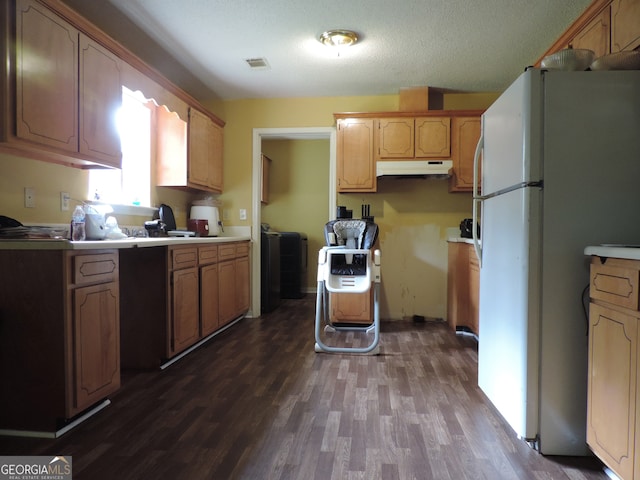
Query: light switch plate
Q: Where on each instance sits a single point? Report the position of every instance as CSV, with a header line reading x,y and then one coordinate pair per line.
x,y
29,197
64,201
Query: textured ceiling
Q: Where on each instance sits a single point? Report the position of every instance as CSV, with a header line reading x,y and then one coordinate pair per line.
x,y
459,45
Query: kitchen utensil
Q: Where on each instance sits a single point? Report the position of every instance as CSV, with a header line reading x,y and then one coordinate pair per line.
x,y
570,59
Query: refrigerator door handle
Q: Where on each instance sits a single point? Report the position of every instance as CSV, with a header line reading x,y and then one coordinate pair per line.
x,y
477,200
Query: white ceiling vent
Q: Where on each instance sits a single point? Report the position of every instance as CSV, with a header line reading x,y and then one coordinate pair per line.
x,y
257,63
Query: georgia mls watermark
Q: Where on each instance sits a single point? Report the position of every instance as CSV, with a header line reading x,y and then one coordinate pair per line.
x,y
35,468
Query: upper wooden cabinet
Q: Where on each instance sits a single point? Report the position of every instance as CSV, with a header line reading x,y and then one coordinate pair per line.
x,y
407,138
355,161
47,97
61,84
67,89
264,180
205,152
464,139
100,99
606,26
365,138
595,35
625,25
189,152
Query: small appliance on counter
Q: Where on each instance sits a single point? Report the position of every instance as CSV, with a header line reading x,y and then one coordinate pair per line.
x,y
466,228
207,209
165,225
199,226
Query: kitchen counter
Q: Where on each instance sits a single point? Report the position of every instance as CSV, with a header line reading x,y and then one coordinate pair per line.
x,y
129,242
629,252
460,240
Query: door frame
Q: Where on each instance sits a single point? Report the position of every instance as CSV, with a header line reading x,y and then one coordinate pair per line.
x,y
286,133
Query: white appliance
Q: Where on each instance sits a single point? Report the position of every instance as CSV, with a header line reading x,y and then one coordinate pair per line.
x,y
560,171
209,213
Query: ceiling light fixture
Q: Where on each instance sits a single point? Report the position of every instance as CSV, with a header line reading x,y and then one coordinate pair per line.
x,y
338,38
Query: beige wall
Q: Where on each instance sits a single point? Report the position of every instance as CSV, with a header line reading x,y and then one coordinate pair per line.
x,y
50,179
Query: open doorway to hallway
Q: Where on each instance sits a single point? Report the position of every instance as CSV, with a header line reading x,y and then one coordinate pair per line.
x,y
296,136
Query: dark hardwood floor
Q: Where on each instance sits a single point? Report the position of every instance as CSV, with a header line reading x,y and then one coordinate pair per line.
x,y
257,402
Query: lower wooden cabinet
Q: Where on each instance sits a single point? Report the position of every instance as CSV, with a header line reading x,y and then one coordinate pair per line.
x,y
201,287
59,335
209,286
352,307
463,287
233,293
613,416
96,333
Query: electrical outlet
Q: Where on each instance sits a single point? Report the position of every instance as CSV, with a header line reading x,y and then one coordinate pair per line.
x,y
225,214
243,214
64,201
29,197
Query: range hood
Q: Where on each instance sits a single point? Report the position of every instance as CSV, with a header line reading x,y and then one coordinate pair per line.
x,y
404,168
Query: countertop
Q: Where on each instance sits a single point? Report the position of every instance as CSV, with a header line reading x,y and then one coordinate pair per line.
x,y
460,240
631,252
129,242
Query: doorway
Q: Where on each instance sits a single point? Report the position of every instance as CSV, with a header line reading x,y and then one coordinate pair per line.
x,y
303,133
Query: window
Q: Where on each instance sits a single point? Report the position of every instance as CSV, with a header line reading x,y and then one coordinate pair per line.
x,y
132,184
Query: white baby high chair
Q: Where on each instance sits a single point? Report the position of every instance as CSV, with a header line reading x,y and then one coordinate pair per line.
x,y
348,265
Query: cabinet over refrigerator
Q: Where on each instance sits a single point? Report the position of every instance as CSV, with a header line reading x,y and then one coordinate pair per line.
x,y
560,155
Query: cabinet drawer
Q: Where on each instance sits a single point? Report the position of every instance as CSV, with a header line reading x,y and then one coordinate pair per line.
x,y
183,257
208,254
226,251
242,249
615,282
100,268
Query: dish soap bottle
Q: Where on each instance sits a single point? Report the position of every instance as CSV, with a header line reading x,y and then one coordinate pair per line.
x,y
77,225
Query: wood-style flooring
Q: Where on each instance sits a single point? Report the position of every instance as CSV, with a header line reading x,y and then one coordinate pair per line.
x,y
256,402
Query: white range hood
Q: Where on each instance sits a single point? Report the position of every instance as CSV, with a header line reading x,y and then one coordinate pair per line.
x,y
414,167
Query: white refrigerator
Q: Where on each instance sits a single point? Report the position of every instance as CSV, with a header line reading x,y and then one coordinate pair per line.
x,y
560,169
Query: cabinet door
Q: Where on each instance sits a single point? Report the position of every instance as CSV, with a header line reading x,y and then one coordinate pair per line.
x,y
458,276
474,290
215,149
396,138
595,35
198,163
172,152
611,402
100,100
227,291
625,25
46,77
433,137
242,285
96,344
205,152
465,133
185,315
354,157
352,307
209,318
